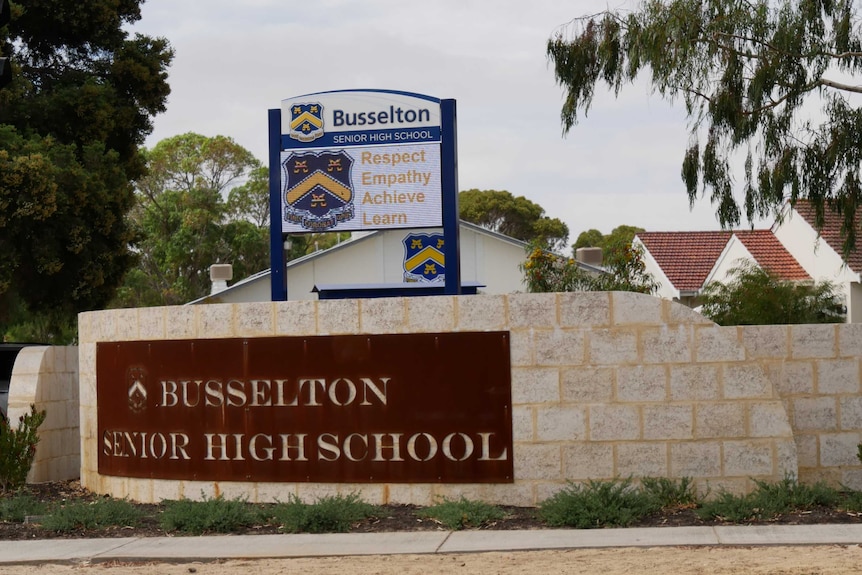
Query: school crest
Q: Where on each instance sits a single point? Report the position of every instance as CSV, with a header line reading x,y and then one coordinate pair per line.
x,y
136,378
318,190
306,122
423,258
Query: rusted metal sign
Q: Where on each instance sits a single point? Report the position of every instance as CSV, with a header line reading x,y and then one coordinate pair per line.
x,y
406,408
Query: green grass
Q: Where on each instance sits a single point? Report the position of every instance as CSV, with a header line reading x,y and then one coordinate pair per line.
x,y
462,513
329,514
212,515
98,514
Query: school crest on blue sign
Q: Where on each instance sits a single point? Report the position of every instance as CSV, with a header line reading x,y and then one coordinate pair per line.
x,y
423,258
318,189
306,122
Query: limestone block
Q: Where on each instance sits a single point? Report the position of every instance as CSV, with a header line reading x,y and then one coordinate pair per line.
x,y
630,308
786,458
851,413
806,450
151,323
86,321
522,423
642,383
588,461
370,492
850,339
87,359
453,491
813,341
506,494
695,459
535,385
537,461
255,319
104,327
676,312
382,315
296,318
766,341
746,381
181,322
29,361
217,320
164,489
521,348
667,344
537,310
140,490
839,449
668,422
561,423
559,346
127,324
612,346
815,413
747,458
430,314
481,312
694,382
838,376
338,316
768,419
403,493
852,478
585,309
642,460
587,384
720,419
614,422
715,343
797,378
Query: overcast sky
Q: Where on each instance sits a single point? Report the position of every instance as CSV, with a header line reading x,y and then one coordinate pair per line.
x,y
237,59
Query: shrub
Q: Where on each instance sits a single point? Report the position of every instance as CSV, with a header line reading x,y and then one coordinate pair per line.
x,y
670,493
98,514
18,507
18,449
329,514
769,500
597,504
462,513
212,515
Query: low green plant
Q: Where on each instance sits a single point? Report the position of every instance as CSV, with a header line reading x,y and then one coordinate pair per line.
x,y
97,514
211,515
729,507
329,514
17,507
769,500
462,513
852,501
671,493
18,449
597,504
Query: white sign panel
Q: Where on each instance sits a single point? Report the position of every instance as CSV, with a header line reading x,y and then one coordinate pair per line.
x,y
360,160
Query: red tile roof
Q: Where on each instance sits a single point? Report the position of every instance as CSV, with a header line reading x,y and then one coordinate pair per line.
x,y
771,255
831,231
686,258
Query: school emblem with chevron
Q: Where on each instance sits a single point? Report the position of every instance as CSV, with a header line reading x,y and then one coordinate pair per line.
x,y
318,189
423,258
306,122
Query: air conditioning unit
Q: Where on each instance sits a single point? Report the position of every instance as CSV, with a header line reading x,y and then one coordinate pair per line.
x,y
221,272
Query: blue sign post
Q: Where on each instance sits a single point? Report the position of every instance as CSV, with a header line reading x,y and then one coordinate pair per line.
x,y
363,160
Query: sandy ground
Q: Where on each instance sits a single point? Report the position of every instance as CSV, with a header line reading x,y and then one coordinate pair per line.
x,y
834,560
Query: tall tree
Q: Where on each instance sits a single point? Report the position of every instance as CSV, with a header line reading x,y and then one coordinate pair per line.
x,y
71,122
517,217
186,224
748,72
615,245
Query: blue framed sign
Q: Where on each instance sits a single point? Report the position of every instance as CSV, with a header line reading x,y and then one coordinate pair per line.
x,y
352,160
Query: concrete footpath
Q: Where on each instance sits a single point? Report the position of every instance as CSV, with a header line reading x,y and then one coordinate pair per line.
x,y
209,548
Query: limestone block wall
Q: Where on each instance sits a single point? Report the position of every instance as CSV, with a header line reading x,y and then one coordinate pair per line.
x,y
47,377
816,370
603,385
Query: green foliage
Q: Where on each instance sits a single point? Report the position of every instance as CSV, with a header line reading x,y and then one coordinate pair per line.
x,y
516,217
547,272
597,504
18,448
615,245
212,515
670,493
185,224
97,514
329,514
71,123
17,507
462,513
768,501
749,74
755,296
